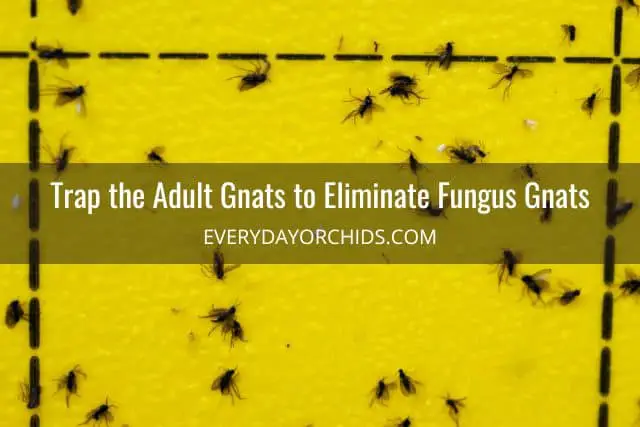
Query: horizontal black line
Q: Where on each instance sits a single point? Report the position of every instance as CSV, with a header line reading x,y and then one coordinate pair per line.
x,y
607,316
588,60
301,56
124,55
605,371
34,323
631,60
241,56
609,259
455,58
34,264
13,54
530,59
183,55
414,58
69,55
356,57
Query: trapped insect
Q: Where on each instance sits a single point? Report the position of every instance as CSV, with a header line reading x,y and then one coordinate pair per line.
x,y
67,93
445,56
74,6
234,329
217,269
400,422
536,284
412,163
631,284
509,72
69,382
465,152
49,53
407,384
99,414
62,158
221,316
507,265
567,296
14,314
365,109
403,87
253,78
30,394
569,31
623,207
546,212
630,3
381,391
528,171
226,384
633,78
589,103
156,155
454,406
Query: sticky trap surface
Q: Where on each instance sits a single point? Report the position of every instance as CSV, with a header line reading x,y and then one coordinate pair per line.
x,y
320,337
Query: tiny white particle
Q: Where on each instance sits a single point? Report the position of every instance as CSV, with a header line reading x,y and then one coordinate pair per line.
x,y
16,201
531,124
78,108
442,147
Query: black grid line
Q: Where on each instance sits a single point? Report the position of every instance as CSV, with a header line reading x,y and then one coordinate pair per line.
x,y
607,316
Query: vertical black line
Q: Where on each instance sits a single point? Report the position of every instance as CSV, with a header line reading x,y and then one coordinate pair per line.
x,y
34,205
34,383
605,371
34,264
603,415
34,421
617,31
34,145
607,316
614,146
34,323
34,86
609,259
612,201
34,8
616,83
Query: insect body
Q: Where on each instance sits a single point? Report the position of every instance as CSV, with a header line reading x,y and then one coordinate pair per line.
x,y
49,53
74,6
99,414
14,314
69,382
463,152
509,72
366,108
546,212
156,155
454,405
235,330
569,31
445,55
536,283
221,316
630,3
589,103
67,93
401,423
407,384
226,384
631,285
217,269
568,296
507,265
403,87
380,393
633,78
62,158
254,78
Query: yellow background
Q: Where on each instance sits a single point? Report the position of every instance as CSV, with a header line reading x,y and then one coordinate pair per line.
x,y
346,326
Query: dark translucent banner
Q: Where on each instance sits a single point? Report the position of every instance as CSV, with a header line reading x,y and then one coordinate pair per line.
x,y
317,213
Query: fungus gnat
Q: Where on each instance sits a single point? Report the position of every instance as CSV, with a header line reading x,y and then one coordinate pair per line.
x,y
62,157
99,414
569,31
69,382
376,46
217,269
403,87
633,78
445,56
156,155
407,384
412,162
74,6
528,171
234,330
366,108
546,213
630,3
226,384
536,284
14,314
67,93
623,207
509,72
589,103
631,284
507,265
221,316
567,296
49,53
380,392
464,152
400,422
454,406
253,78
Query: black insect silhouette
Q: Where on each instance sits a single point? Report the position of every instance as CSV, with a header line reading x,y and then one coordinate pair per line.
x,y
509,72
403,87
454,406
69,382
234,330
50,53
253,78
546,213
62,157
226,384
465,152
536,284
412,162
631,284
365,109
528,171
406,422
407,384
221,317
569,31
14,314
630,3
156,155
567,296
633,78
99,414
589,103
445,56
67,93
381,391
217,269
74,6
507,265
